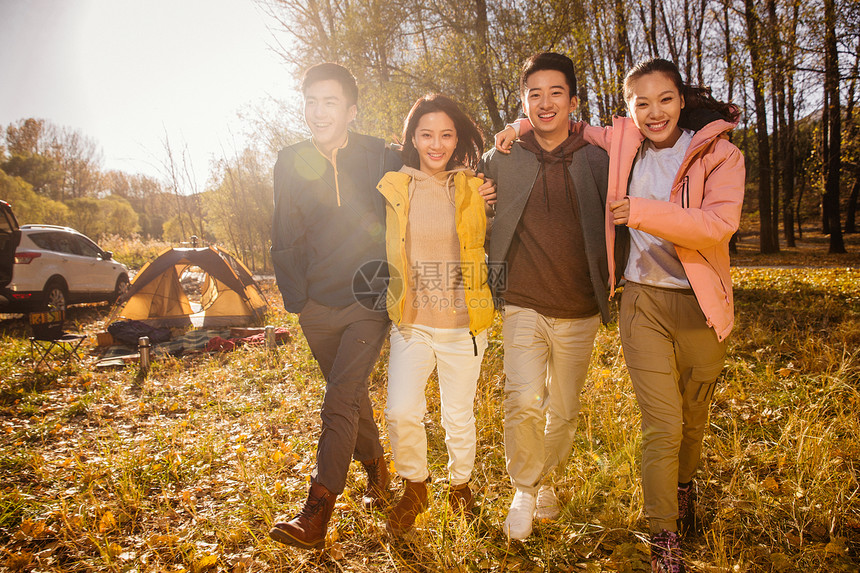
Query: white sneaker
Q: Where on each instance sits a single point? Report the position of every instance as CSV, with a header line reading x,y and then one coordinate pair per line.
x,y
547,503
518,524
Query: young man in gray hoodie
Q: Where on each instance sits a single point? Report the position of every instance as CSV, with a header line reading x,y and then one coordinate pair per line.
x,y
547,257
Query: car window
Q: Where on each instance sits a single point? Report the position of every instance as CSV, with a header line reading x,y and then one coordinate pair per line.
x,y
5,222
65,243
43,240
87,248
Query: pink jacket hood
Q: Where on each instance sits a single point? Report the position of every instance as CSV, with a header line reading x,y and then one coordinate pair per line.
x,y
700,217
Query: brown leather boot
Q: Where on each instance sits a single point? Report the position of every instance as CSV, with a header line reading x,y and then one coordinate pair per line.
x,y
377,492
460,498
414,501
307,529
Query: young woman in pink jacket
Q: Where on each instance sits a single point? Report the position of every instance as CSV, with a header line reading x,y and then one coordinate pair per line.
x,y
676,187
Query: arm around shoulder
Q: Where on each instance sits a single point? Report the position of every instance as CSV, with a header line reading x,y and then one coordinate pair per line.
x,y
487,165
599,136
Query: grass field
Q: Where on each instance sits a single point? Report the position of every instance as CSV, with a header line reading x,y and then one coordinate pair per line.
x,y
185,470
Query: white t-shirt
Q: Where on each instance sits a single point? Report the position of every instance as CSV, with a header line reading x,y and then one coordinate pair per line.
x,y
654,261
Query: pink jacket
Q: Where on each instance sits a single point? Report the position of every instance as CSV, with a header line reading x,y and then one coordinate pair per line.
x,y
700,217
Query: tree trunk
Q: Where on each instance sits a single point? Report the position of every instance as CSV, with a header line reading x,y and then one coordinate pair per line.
x,y
727,40
825,154
653,30
851,213
599,67
788,153
700,74
797,212
688,43
670,35
584,108
833,165
777,157
481,45
787,128
768,241
776,80
622,52
852,131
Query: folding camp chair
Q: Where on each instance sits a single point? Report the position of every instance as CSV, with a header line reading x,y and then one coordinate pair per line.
x,y
49,342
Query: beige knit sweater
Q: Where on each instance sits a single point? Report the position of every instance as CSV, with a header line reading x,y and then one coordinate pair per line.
x,y
435,296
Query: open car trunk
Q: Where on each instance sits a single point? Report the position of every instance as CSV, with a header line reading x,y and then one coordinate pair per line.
x,y
10,236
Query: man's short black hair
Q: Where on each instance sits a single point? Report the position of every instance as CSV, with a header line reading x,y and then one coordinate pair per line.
x,y
549,61
331,71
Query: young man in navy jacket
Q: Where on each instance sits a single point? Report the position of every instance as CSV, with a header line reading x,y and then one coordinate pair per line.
x,y
328,249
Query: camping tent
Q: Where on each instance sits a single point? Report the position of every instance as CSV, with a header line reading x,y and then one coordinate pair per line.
x,y
229,296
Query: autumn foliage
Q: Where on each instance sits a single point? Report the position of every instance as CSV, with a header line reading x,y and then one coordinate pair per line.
x,y
184,470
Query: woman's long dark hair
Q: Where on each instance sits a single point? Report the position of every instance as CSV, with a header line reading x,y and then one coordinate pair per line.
x,y
696,98
470,142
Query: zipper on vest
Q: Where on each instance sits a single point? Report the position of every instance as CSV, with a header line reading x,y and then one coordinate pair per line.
x,y
474,345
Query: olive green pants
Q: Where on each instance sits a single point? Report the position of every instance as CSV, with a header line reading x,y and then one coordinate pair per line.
x,y
674,359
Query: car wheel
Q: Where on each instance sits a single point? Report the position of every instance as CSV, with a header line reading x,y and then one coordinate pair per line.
x,y
121,288
55,295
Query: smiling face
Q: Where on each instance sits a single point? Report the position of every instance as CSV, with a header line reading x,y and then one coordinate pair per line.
x,y
435,140
328,114
548,103
655,105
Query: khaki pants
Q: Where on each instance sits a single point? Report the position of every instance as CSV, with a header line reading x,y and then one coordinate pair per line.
x,y
674,359
346,343
415,351
546,361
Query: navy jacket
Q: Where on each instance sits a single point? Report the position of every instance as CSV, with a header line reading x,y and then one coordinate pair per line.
x,y
329,252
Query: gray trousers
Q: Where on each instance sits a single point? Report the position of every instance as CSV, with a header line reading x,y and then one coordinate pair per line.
x,y
346,343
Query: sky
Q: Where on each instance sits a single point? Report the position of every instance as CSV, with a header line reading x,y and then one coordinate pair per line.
x,y
125,72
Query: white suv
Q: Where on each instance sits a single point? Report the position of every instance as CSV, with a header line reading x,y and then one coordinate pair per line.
x,y
56,266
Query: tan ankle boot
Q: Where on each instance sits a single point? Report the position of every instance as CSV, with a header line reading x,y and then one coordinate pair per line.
x,y
307,529
414,501
460,498
376,494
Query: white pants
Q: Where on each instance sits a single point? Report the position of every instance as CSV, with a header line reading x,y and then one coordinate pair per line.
x,y
546,362
415,351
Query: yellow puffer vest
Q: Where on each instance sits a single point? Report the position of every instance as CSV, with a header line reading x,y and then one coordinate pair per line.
x,y
471,222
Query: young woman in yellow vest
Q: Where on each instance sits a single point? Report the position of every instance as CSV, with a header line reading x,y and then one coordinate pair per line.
x,y
438,298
